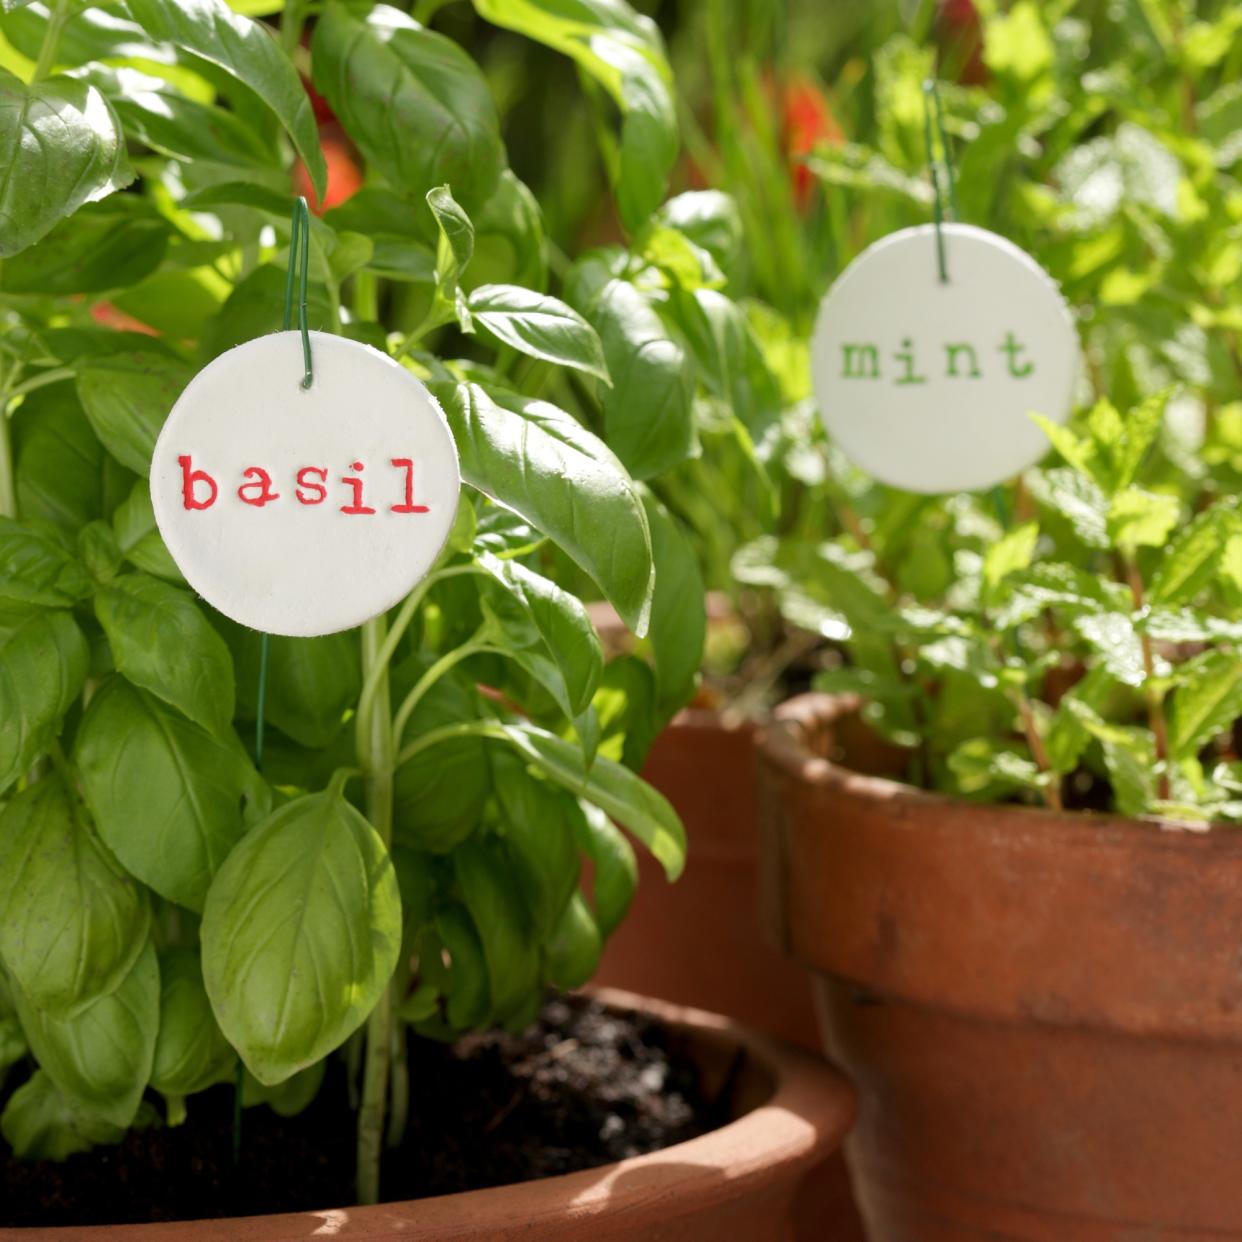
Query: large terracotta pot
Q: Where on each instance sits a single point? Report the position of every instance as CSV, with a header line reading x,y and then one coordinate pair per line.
x,y
737,1182
1042,1013
698,942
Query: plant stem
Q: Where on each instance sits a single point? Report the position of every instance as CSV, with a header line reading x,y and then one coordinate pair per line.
x,y
1039,752
399,1096
8,490
56,20
366,296
376,757
291,23
446,733
1155,703
429,679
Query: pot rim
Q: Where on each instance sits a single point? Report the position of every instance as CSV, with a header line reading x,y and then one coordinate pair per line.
x,y
782,740
807,1115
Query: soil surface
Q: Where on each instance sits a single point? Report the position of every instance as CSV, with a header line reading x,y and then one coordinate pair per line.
x,y
582,1087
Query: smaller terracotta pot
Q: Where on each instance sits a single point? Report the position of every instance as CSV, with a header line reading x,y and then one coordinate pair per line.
x,y
1042,1013
738,1182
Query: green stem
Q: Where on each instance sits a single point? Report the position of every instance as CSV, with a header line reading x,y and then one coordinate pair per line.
x,y
291,23
376,756
366,297
377,673
473,647
56,20
447,733
8,490
399,1096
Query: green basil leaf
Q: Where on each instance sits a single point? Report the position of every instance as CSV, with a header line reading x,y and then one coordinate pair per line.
x,y
678,610
465,986
63,474
540,462
503,924
42,669
288,1098
311,682
60,146
163,643
454,249
614,867
539,325
540,831
109,245
415,103
138,537
439,795
533,612
39,1123
36,568
71,921
175,125
127,396
648,414
198,790
627,798
575,947
255,308
191,1053
509,237
710,219
101,1058
622,51
301,934
245,50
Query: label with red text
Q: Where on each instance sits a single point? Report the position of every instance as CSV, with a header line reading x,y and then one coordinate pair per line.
x,y
304,511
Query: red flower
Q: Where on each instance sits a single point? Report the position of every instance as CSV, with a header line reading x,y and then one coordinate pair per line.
x,y
959,34
808,123
344,175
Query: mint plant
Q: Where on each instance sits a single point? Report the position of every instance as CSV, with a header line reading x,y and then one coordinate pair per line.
x,y
410,853
1085,656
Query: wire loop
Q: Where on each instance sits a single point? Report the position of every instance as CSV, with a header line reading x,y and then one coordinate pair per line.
x,y
299,259
931,101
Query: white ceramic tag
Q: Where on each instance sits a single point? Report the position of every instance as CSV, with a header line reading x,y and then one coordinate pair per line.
x,y
928,385
304,511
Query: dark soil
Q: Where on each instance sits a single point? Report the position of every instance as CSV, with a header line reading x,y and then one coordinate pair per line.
x,y
582,1087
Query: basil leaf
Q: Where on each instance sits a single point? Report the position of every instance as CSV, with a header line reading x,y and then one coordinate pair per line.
x,y
246,51
191,1053
549,631
417,106
198,790
648,412
101,1058
499,916
39,1123
539,325
60,146
36,568
301,933
614,867
127,396
678,611
614,789
163,643
540,462
71,921
622,51
575,946
42,669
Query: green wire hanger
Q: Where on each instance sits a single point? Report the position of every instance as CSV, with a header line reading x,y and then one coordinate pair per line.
x,y
299,255
299,259
931,101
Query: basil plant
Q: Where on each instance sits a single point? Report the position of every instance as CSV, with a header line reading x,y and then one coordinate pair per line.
x,y
412,851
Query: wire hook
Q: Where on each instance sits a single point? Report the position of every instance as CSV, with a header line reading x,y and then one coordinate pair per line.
x,y
931,100
299,258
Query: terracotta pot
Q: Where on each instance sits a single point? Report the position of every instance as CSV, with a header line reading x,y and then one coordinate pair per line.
x,y
1042,1013
698,942
737,1182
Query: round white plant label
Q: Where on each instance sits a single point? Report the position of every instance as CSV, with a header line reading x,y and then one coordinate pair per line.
x,y
304,511
927,384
